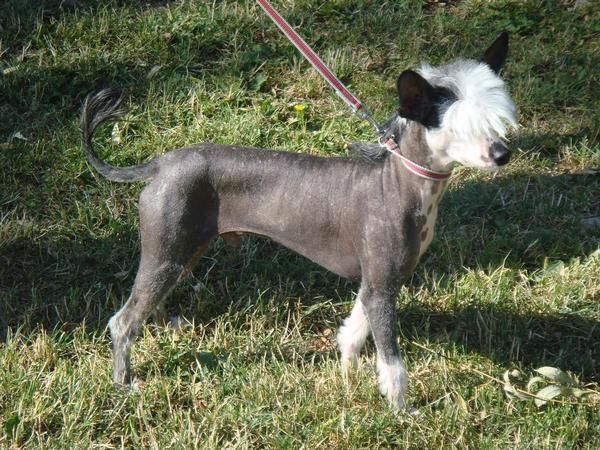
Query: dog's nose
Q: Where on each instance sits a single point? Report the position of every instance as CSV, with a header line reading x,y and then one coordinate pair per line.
x,y
499,153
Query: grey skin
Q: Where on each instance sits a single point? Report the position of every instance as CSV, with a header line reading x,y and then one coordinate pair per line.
x,y
361,220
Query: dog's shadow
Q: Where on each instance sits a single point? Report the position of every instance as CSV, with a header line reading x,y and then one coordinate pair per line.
x,y
533,226
510,339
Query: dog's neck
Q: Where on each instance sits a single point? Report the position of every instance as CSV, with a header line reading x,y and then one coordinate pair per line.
x,y
411,140
426,193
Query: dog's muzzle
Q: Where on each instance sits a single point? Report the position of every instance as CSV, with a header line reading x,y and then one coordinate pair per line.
x,y
499,153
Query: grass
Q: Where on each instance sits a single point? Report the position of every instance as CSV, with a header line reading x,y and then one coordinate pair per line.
x,y
511,280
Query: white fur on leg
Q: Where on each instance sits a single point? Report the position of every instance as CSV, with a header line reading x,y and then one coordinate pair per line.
x,y
393,381
117,330
353,334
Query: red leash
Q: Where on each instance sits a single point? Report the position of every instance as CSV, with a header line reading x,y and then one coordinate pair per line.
x,y
357,106
341,90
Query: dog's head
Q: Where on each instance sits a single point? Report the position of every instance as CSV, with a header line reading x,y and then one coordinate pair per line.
x,y
464,106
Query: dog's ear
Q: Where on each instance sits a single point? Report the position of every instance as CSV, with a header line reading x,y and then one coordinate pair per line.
x,y
495,55
416,97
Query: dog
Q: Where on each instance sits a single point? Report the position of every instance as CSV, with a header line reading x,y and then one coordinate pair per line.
x,y
367,219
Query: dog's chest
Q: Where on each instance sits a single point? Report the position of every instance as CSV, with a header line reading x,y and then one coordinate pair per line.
x,y
430,200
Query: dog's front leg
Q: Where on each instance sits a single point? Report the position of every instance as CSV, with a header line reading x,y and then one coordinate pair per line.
x,y
353,333
380,307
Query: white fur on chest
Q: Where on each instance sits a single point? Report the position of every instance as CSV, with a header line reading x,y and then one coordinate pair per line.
x,y
431,195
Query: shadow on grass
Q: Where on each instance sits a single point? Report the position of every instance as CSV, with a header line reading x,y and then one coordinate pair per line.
x,y
518,221
41,98
52,284
507,338
22,17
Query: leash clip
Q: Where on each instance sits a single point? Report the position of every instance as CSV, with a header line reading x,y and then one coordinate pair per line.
x,y
363,113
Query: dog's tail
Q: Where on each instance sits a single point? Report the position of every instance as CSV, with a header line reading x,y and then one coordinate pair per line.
x,y
101,107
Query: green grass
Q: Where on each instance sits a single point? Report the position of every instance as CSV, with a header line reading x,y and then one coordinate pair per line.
x,y
510,282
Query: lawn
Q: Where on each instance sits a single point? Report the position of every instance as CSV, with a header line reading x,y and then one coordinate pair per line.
x,y
509,285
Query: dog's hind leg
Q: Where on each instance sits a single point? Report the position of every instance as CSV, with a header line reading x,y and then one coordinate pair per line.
x,y
353,333
154,281
172,241
152,285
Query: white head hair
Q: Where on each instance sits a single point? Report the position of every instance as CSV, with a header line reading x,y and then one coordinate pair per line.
x,y
483,107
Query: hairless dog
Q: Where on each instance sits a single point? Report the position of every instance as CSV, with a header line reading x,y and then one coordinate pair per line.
x,y
368,219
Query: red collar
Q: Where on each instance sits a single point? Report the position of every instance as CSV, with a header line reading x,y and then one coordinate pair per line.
x,y
413,167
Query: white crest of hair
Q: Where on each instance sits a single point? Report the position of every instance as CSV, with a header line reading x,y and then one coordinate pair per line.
x,y
483,107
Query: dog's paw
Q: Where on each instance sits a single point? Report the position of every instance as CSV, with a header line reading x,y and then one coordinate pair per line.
x,y
412,411
396,401
393,383
178,322
348,362
133,386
